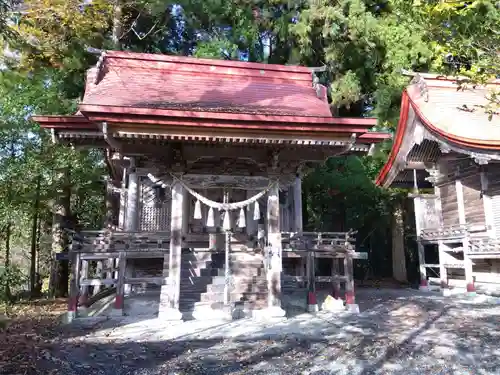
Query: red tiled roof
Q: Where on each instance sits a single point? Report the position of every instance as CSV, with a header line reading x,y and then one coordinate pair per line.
x,y
184,83
170,93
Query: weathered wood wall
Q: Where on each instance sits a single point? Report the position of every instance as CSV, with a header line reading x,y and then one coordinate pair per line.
x,y
487,271
473,203
493,176
449,204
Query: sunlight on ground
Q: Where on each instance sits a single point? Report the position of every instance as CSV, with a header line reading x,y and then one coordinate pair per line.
x,y
408,333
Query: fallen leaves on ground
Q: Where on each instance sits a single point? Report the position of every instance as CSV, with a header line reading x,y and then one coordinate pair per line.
x,y
28,331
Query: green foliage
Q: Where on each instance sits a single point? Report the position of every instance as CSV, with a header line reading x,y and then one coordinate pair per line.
x,y
342,192
14,278
364,50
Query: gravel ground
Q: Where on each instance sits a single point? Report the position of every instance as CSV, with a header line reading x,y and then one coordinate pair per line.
x,y
399,332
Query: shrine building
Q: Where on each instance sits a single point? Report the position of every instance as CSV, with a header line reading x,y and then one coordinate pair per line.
x,y
204,201
447,151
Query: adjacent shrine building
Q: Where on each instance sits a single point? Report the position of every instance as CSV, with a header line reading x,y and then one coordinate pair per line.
x,y
448,151
205,161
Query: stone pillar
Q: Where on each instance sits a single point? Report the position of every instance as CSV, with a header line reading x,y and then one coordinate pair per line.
x,y
274,240
398,245
297,205
169,297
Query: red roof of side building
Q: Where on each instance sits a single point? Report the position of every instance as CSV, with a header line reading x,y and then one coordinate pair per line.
x,y
454,116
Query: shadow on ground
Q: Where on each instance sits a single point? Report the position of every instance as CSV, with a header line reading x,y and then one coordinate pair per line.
x,y
402,333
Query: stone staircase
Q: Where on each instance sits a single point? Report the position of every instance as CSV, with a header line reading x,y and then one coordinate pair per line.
x,y
202,283
290,285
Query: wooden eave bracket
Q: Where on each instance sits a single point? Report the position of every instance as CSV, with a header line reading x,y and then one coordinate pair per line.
x,y
109,138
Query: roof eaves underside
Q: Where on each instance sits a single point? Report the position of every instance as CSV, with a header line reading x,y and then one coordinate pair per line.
x,y
95,138
405,179
165,128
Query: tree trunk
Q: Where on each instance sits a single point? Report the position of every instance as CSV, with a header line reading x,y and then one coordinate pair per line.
x,y
34,237
8,233
60,273
117,24
398,245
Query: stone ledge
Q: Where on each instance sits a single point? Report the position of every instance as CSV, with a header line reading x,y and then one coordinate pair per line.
x,y
274,312
169,314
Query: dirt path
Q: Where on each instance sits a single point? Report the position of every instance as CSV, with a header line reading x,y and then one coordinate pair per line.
x,y
400,332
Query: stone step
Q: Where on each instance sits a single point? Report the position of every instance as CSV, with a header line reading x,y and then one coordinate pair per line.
x,y
238,279
239,288
220,271
205,272
235,296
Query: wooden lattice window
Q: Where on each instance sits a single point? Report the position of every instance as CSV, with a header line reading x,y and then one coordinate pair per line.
x,y
154,208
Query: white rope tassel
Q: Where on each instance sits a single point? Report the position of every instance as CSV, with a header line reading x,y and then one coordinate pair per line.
x,y
256,211
241,220
210,218
226,224
197,210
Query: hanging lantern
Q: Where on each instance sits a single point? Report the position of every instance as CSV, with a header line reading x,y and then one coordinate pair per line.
x,y
241,220
210,218
256,211
197,210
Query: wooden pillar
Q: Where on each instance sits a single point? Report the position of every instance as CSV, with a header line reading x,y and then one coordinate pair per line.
x,y
109,219
274,240
188,211
120,284
312,303
123,202
349,283
487,204
74,287
398,245
420,246
132,216
336,274
468,267
443,273
84,274
99,274
170,293
297,204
